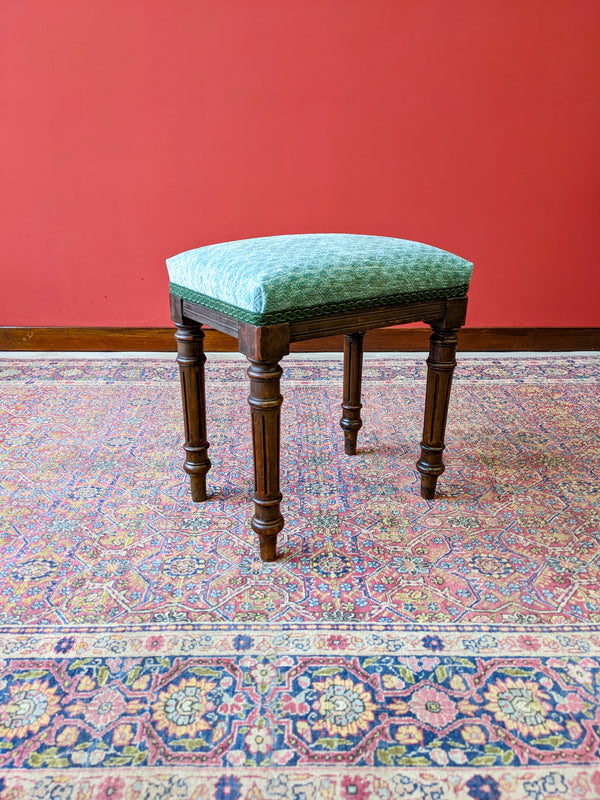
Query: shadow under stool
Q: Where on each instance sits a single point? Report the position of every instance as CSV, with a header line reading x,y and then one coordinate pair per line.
x,y
271,291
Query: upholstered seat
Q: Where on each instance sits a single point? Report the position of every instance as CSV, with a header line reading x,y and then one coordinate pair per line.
x,y
272,291
277,279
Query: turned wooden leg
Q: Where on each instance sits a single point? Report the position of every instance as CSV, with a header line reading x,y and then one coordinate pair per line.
x,y
351,422
265,401
440,366
191,358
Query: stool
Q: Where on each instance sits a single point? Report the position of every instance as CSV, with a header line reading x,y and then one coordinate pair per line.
x,y
272,291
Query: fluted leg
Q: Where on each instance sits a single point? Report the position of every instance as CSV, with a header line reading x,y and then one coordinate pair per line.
x,y
440,366
265,402
351,422
191,358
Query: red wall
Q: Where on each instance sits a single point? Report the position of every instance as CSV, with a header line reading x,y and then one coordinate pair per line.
x,y
134,129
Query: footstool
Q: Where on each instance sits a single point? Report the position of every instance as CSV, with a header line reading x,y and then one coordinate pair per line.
x,y
271,291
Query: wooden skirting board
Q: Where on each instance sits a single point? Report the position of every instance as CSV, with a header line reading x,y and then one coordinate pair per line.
x,y
385,339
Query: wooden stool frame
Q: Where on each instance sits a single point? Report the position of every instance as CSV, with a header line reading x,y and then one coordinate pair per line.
x,y
264,347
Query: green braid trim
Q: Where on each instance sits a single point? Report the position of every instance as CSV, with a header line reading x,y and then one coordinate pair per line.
x,y
313,312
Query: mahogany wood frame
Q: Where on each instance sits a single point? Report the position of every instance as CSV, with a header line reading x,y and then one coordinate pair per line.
x,y
264,347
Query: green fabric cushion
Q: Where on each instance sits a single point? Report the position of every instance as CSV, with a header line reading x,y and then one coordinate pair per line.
x,y
277,279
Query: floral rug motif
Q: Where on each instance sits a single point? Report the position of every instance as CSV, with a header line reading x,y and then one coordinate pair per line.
x,y
398,647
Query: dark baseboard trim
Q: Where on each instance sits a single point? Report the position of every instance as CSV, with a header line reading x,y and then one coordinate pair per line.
x,y
385,339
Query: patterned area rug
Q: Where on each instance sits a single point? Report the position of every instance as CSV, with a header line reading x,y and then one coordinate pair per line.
x,y
398,648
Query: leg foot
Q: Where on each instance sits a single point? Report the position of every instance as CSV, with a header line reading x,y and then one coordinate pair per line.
x,y
268,547
351,422
198,488
428,484
191,358
440,366
265,401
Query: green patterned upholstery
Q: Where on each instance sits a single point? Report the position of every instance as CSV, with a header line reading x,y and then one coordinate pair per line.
x,y
277,279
